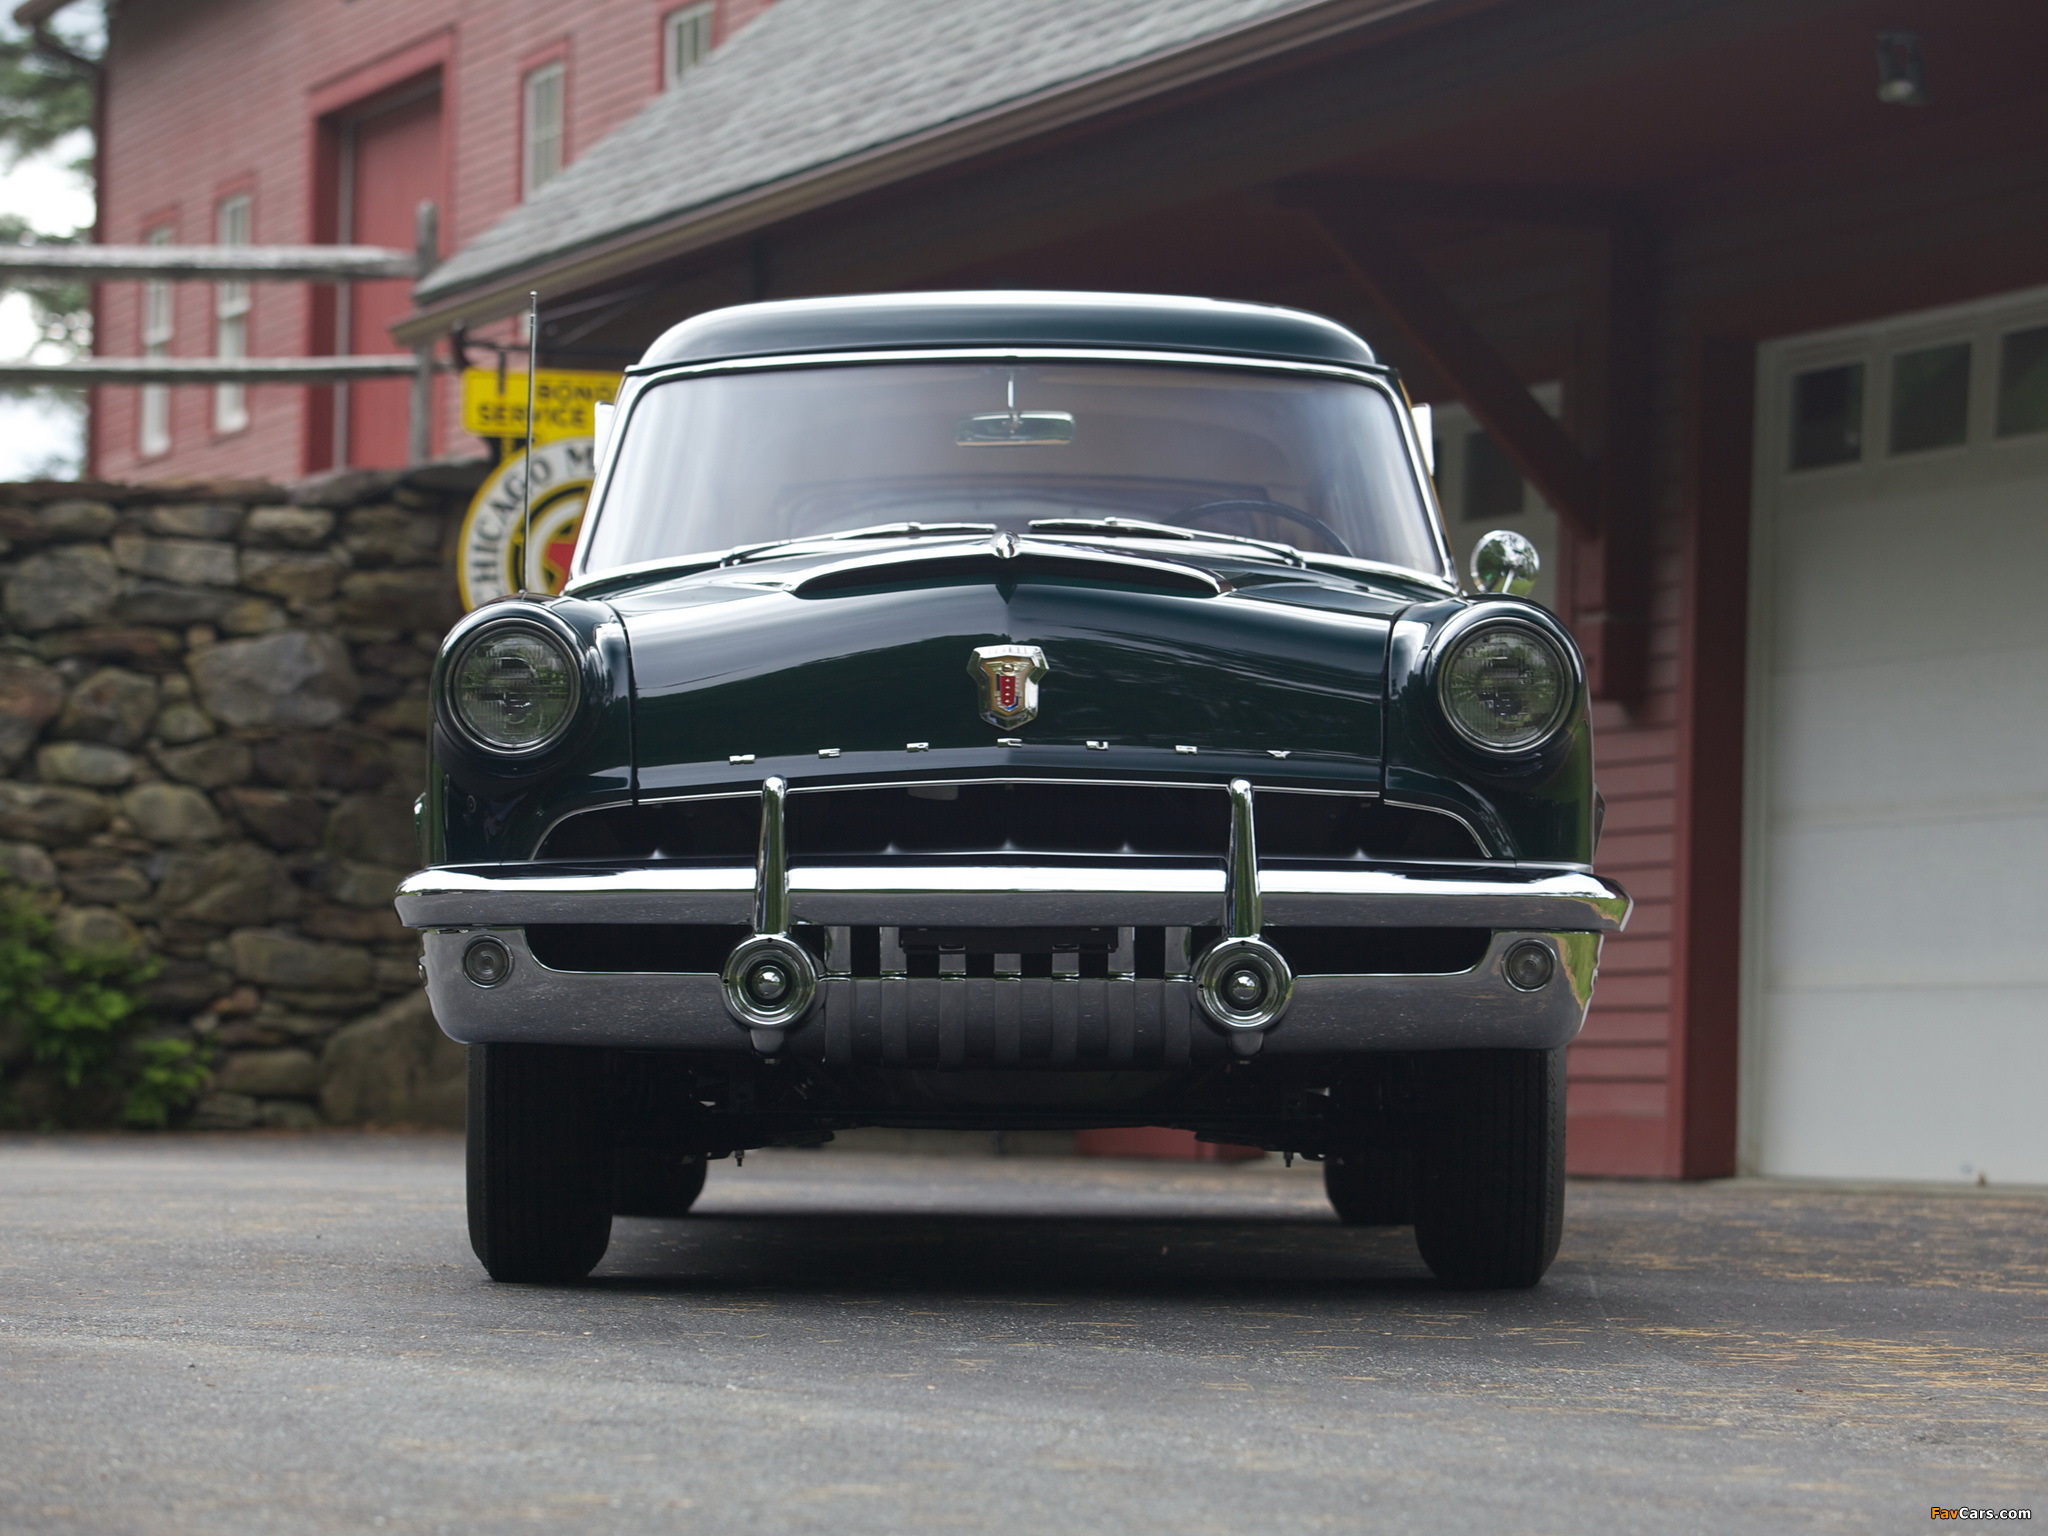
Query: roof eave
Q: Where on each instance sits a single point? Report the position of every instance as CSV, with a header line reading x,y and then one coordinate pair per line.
x,y
1316,22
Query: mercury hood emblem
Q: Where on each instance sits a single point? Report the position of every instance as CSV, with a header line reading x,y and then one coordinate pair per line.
x,y
1008,678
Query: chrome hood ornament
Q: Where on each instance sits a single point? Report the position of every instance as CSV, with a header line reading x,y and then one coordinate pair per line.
x,y
1008,678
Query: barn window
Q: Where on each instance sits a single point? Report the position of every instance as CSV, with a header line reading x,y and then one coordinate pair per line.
x,y
1931,398
1827,417
685,41
542,161
231,317
153,432
2023,383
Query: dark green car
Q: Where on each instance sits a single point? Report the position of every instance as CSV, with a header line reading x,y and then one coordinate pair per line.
x,y
1005,710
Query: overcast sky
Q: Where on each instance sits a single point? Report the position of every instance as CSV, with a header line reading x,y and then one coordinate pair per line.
x,y
33,433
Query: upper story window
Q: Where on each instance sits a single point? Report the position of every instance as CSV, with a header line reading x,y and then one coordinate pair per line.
x,y
231,316
159,322
542,160
685,41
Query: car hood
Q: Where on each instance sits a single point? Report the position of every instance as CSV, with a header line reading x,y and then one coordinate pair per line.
x,y
852,666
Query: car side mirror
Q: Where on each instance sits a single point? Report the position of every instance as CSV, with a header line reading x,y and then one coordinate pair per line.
x,y
1505,564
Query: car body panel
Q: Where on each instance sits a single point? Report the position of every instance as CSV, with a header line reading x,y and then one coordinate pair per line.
x,y
865,670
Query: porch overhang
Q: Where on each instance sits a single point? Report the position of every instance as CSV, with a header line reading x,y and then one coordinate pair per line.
x,y
1238,52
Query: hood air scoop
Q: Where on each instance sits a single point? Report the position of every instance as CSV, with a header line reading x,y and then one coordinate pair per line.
x,y
1007,557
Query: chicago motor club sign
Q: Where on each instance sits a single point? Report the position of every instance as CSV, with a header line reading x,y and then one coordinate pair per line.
x,y
495,558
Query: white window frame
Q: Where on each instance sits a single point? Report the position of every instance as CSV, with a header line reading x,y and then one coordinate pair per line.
x,y
685,40
159,327
543,94
232,225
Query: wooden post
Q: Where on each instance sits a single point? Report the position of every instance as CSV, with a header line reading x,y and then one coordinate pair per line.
x,y
419,441
1706,916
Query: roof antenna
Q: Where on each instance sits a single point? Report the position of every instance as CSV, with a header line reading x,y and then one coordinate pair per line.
x,y
532,373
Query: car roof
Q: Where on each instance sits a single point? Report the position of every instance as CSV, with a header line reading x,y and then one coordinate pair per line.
x,y
996,318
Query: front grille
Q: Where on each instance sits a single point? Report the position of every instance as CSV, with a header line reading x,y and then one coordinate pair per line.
x,y
1013,818
1142,953
1100,1024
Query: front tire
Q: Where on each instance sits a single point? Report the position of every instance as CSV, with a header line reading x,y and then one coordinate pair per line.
x,y
1489,1197
539,1161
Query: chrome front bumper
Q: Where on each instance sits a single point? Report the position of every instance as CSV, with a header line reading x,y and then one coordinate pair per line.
x,y
906,893
1063,1020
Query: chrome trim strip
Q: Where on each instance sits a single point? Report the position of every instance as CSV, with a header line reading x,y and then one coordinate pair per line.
x,y
1327,1014
1012,778
1437,810
984,895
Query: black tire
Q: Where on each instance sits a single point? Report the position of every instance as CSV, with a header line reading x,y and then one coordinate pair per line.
x,y
1372,1188
653,1181
1489,1191
539,1161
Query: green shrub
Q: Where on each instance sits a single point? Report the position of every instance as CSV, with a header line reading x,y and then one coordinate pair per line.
x,y
79,1015
168,1075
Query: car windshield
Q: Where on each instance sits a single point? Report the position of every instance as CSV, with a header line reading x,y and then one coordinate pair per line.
x,y
715,461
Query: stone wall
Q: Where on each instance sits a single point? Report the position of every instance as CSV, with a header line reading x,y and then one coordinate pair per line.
x,y
213,708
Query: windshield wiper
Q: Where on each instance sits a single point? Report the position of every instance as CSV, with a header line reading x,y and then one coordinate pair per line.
x,y
878,531
1138,528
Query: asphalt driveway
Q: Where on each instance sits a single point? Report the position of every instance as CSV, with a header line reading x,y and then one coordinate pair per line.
x,y
272,1333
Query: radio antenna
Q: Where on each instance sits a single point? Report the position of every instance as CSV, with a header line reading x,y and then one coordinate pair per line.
x,y
532,375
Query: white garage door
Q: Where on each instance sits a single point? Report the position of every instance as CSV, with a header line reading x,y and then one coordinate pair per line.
x,y
1896,949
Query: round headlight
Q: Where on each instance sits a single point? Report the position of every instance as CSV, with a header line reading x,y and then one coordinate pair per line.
x,y
1505,687
513,687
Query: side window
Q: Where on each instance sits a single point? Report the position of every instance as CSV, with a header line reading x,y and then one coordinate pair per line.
x,y
231,317
159,323
541,122
685,41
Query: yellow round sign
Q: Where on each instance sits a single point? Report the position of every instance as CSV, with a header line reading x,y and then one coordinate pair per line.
x,y
496,556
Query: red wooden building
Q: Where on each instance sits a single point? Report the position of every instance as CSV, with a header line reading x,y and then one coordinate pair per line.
x,y
284,122
1739,306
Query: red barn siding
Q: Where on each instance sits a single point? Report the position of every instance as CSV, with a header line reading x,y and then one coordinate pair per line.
x,y
206,97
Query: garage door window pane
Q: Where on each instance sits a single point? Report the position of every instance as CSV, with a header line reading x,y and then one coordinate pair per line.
x,y
1931,398
1827,417
2023,383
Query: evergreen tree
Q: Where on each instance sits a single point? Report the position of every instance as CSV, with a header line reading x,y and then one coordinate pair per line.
x,y
46,99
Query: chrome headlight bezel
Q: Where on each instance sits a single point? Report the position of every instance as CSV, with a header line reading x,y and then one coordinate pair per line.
x,y
1474,627
451,709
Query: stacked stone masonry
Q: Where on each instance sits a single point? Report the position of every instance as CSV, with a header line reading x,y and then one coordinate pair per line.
x,y
213,717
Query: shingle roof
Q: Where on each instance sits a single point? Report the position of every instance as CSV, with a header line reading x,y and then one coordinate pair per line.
x,y
817,81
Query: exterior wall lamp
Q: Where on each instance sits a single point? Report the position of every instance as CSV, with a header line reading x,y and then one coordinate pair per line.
x,y
1901,72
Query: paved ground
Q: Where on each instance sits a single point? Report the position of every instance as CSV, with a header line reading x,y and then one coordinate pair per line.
x,y
279,1334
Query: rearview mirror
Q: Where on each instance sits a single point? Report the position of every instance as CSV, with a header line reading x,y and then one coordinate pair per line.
x,y
1001,429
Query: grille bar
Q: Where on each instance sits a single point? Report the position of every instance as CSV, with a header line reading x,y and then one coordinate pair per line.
x,y
968,1021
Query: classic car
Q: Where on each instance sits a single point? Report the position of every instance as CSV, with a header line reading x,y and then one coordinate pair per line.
x,y
1004,710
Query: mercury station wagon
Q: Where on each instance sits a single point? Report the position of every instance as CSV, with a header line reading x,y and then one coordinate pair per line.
x,y
1014,710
